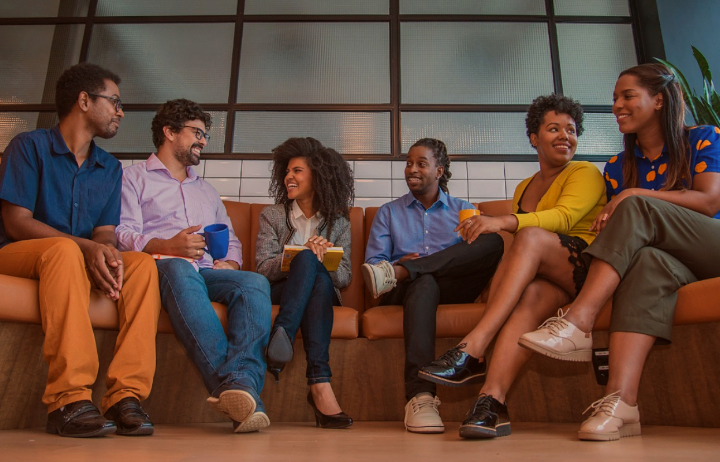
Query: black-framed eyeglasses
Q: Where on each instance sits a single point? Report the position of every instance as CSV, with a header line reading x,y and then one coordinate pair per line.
x,y
199,133
115,101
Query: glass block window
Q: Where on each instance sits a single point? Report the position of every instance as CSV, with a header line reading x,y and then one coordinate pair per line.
x,y
461,63
165,7
158,62
334,63
601,136
367,78
589,76
32,58
43,8
468,132
346,132
472,7
592,8
135,134
316,7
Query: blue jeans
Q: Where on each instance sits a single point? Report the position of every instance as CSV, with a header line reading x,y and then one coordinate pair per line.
x,y
235,361
306,301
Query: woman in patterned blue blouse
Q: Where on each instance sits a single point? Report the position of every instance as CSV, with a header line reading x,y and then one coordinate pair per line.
x,y
657,233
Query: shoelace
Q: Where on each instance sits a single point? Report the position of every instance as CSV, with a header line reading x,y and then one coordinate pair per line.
x,y
421,403
555,324
481,405
389,276
605,404
450,357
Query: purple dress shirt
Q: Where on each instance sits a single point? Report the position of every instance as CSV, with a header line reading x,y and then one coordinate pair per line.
x,y
156,205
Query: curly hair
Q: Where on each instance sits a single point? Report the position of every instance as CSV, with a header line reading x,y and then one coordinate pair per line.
x,y
442,159
656,78
552,103
332,179
175,113
78,78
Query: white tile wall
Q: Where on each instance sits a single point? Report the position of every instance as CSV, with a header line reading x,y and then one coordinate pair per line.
x,y
376,182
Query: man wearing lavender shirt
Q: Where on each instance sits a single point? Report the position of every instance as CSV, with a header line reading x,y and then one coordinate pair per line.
x,y
164,205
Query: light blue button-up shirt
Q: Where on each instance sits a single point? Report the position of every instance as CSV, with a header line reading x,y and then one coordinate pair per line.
x,y
404,226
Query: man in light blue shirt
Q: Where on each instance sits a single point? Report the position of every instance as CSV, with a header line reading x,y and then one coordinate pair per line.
x,y
414,257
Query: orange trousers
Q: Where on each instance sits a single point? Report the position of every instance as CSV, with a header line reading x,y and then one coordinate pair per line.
x,y
64,297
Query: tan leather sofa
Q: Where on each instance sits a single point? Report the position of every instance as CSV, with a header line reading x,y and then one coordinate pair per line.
x,y
697,302
19,302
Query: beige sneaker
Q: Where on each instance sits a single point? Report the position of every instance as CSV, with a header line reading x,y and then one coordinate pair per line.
x,y
559,339
379,278
422,416
611,419
257,421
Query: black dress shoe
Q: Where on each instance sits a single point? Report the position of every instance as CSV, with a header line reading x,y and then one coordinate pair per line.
x,y
455,368
279,352
339,420
487,419
80,419
130,418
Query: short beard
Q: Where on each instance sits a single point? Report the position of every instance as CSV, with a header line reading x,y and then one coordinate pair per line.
x,y
187,157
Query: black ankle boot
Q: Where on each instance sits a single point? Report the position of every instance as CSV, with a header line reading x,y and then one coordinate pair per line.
x,y
279,352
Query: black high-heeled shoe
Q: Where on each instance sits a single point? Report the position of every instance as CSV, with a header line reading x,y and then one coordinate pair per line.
x,y
279,352
339,420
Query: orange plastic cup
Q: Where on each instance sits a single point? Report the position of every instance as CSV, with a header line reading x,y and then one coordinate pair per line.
x,y
465,214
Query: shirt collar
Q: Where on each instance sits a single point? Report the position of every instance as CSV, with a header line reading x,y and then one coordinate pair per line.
x,y
442,199
297,211
153,163
639,153
60,148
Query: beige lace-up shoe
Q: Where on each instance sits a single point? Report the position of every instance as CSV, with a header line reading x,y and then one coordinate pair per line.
x,y
422,416
611,419
379,278
559,339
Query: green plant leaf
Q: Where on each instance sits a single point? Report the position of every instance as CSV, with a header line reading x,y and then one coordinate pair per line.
x,y
703,64
706,113
715,101
688,93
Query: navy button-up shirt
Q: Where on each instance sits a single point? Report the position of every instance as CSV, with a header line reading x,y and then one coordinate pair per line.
x,y
38,172
403,226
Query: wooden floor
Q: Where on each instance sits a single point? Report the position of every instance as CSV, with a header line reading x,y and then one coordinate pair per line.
x,y
366,441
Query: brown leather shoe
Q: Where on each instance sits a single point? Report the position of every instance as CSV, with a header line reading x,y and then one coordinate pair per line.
x,y
130,418
80,419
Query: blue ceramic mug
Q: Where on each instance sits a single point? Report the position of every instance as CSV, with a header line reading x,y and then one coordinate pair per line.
x,y
217,239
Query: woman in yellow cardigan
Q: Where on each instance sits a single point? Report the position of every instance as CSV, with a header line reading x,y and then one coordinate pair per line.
x,y
542,271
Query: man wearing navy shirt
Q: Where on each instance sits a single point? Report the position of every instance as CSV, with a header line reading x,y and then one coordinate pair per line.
x,y
415,258
60,203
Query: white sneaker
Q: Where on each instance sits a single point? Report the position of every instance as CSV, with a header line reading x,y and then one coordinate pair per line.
x,y
611,419
559,339
422,416
257,421
379,278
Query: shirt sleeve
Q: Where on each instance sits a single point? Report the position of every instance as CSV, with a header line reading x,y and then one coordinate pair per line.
x,y
580,193
268,254
380,245
706,148
613,177
129,232
20,173
341,278
111,213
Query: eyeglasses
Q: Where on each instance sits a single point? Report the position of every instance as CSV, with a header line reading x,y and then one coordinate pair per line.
x,y
115,101
199,134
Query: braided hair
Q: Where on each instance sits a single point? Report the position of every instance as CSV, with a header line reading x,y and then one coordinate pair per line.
x,y
332,179
442,159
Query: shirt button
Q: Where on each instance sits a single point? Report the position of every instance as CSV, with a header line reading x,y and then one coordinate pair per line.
x,y
427,248
426,231
75,204
425,213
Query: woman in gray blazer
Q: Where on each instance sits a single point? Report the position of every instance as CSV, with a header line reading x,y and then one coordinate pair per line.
x,y
313,190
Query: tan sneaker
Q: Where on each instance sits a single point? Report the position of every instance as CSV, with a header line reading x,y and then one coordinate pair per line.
x,y
422,416
257,421
379,278
559,339
611,419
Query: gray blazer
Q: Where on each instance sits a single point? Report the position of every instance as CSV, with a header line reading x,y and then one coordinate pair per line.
x,y
276,231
